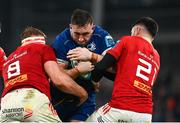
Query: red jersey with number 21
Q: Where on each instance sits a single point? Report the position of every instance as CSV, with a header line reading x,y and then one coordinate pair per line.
x,y
138,65
25,68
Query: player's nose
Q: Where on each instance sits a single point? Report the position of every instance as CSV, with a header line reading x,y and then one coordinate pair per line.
x,y
81,38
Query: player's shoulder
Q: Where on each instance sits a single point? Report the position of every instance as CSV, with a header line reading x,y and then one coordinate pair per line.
x,y
1,50
131,39
103,34
126,38
39,47
2,53
63,37
46,46
156,52
100,31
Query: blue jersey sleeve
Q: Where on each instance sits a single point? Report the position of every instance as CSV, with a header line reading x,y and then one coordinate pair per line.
x,y
103,40
59,48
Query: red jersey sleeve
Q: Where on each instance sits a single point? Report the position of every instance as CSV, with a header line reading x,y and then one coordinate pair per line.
x,y
48,54
117,50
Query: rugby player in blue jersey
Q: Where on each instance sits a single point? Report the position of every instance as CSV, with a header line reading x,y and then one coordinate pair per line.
x,y
82,41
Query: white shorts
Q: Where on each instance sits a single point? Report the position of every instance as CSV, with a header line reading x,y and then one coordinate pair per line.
x,y
109,114
27,104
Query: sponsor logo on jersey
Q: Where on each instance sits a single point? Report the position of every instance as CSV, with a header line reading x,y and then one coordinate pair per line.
x,y
12,112
143,87
15,56
20,78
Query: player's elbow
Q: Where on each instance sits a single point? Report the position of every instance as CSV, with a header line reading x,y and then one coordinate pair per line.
x,y
58,81
61,81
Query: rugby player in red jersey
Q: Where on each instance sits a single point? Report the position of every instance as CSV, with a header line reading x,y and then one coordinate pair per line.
x,y
26,72
2,56
137,66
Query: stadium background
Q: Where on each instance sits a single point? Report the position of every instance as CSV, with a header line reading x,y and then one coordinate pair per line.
x,y
116,16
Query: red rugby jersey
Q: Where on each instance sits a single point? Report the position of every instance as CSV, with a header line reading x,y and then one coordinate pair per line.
x,y
137,68
25,68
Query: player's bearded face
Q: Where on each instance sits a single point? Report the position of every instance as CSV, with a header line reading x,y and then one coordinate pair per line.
x,y
81,34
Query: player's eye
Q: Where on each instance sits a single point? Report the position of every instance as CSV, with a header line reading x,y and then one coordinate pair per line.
x,y
83,34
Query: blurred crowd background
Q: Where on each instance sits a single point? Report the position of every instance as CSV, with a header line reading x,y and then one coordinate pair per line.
x,y
116,16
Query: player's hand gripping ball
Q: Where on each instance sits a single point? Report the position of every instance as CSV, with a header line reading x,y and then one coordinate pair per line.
x,y
74,63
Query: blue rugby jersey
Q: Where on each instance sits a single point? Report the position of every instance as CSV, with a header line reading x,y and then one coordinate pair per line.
x,y
99,42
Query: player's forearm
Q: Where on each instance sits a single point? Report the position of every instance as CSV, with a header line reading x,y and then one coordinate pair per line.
x,y
67,85
100,68
96,58
60,78
73,73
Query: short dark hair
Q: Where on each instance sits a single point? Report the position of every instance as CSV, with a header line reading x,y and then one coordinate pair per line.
x,y
81,17
150,24
31,31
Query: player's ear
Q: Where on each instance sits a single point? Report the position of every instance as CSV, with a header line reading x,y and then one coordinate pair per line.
x,y
70,26
136,31
93,27
133,31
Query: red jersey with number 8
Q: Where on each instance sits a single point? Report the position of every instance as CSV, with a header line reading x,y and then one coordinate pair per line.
x,y
138,65
25,68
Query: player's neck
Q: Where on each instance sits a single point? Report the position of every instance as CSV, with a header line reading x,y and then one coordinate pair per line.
x,y
147,38
34,39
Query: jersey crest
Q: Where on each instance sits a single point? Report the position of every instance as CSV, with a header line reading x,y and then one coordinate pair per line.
x,y
109,41
91,46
